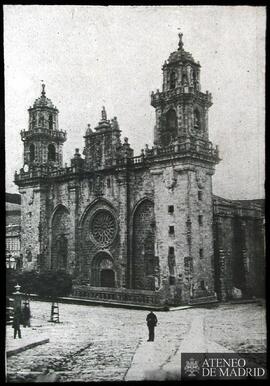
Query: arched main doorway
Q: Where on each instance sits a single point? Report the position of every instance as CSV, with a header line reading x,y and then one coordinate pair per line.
x,y
102,270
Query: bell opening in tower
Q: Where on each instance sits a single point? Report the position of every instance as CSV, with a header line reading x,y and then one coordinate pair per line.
x,y
32,152
169,131
50,122
197,120
172,80
51,153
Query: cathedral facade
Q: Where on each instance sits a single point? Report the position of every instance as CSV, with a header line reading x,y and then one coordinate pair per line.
x,y
143,229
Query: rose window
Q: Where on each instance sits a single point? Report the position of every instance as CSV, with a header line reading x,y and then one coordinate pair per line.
x,y
103,227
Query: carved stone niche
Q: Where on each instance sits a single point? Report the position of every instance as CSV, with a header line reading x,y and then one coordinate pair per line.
x,y
169,177
201,178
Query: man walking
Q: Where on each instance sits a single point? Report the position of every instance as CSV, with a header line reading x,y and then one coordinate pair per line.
x,y
151,320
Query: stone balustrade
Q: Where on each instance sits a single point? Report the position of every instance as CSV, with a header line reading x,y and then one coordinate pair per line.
x,y
190,147
161,96
144,297
41,131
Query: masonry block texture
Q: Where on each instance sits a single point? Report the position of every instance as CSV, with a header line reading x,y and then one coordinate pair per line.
x,y
148,223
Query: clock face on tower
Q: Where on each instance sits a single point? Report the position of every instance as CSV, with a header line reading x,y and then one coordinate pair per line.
x,y
26,168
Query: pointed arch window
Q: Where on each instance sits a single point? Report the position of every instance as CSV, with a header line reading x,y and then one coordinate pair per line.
x,y
62,251
32,152
197,120
51,152
172,79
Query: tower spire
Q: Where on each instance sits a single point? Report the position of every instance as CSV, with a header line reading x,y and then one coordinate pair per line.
x,y
180,44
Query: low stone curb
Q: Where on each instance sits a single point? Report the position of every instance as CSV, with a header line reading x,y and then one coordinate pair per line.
x,y
26,347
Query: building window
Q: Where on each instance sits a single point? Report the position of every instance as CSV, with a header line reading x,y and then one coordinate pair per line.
x,y
172,280
200,195
200,219
171,251
201,253
172,79
32,152
171,230
108,182
51,153
197,120
170,208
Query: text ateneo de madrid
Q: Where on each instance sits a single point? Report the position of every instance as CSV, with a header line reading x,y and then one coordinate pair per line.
x,y
230,368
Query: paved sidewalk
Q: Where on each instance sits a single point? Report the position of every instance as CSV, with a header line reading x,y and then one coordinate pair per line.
x,y
28,340
157,361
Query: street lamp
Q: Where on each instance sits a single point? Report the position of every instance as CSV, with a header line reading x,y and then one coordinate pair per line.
x,y
17,297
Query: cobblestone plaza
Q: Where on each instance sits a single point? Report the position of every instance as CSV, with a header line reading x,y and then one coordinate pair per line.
x,y
96,343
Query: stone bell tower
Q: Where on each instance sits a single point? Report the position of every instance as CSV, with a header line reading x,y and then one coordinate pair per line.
x,y
43,140
181,107
184,164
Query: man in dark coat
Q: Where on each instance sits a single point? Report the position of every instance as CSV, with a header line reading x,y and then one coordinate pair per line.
x,y
26,316
17,322
151,320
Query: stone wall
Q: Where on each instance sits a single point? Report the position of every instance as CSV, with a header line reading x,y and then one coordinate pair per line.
x,y
30,220
239,248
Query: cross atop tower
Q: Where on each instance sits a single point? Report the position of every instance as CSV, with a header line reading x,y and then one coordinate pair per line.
x,y
43,92
180,44
103,114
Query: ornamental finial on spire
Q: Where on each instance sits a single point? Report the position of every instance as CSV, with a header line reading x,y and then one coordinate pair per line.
x,y
180,44
43,92
103,114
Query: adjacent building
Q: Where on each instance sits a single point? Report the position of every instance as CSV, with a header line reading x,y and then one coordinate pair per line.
x,y
13,229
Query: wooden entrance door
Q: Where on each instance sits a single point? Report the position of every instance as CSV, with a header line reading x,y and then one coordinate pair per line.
x,y
107,278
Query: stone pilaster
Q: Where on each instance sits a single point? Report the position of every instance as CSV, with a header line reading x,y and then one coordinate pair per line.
x,y
245,256
124,267
73,194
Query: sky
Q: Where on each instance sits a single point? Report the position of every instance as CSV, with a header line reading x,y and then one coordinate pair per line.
x,y
90,56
